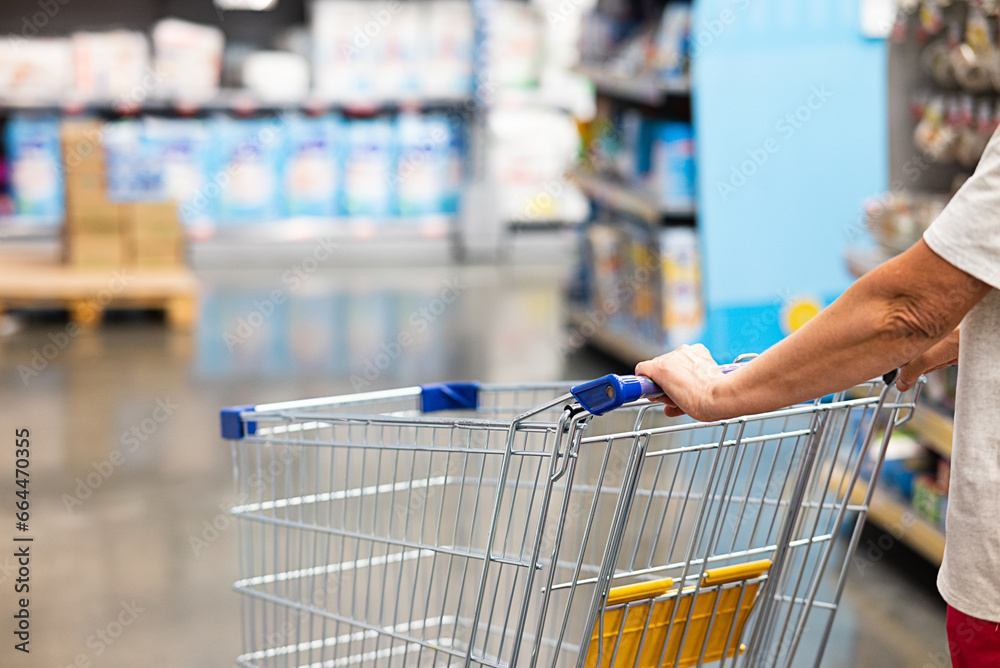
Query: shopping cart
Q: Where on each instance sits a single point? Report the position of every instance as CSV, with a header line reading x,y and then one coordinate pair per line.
x,y
468,524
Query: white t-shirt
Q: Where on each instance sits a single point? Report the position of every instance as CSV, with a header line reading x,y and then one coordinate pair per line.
x,y
967,235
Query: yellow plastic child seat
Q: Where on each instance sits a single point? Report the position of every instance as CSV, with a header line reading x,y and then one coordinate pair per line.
x,y
715,612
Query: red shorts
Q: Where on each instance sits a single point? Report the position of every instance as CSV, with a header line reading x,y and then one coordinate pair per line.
x,y
974,642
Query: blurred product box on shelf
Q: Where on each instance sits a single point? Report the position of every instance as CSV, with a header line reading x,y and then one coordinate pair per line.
x,y
671,44
905,459
33,152
646,281
680,274
405,53
628,49
449,40
133,171
531,151
113,66
930,501
641,295
516,45
367,52
187,60
276,76
603,244
248,169
655,156
630,156
346,48
421,176
672,164
182,150
312,167
39,69
368,168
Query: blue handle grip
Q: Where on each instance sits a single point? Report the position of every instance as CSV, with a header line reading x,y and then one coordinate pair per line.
x,y
609,392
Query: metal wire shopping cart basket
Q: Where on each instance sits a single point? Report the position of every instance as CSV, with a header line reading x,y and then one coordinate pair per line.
x,y
496,525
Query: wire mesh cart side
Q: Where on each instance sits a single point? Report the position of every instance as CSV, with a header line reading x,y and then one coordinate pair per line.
x,y
505,525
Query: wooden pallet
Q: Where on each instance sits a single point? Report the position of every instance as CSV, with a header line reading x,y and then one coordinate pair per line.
x,y
37,281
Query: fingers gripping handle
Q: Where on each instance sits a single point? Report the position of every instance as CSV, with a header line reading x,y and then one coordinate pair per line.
x,y
609,392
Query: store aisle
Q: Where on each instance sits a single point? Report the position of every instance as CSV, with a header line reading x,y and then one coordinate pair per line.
x,y
135,554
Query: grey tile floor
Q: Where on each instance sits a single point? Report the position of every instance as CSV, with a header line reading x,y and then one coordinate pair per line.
x,y
134,556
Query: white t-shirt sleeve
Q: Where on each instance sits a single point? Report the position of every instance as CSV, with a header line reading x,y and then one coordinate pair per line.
x,y
967,233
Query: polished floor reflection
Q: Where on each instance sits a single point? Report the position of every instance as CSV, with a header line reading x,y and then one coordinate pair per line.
x,y
134,554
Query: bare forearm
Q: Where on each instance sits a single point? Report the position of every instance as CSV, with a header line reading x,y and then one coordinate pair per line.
x,y
886,319
876,326
845,344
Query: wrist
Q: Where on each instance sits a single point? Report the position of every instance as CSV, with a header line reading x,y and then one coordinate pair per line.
x,y
719,399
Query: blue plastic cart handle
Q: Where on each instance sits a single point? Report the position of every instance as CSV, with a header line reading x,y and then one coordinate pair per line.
x,y
609,392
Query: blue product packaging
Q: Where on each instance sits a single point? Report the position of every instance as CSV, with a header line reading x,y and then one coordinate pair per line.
x,y
456,165
36,173
672,166
248,173
182,149
311,173
134,172
368,168
422,164
633,159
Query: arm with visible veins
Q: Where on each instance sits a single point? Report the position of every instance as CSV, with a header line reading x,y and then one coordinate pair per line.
x,y
904,314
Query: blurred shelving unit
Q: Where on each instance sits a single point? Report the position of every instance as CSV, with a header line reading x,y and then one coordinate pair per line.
x,y
616,342
645,89
771,149
627,199
895,516
452,93
234,101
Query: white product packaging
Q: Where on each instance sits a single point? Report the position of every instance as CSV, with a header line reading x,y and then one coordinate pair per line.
x,y
405,52
187,58
348,45
276,76
38,69
113,66
530,152
516,45
450,38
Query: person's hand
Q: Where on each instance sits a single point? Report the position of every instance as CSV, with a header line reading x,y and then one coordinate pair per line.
x,y
942,354
687,376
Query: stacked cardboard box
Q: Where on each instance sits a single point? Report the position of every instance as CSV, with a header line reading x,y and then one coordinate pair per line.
x,y
152,234
92,233
101,234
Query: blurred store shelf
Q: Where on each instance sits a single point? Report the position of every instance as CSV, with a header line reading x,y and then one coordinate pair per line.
x,y
897,518
28,227
238,102
620,344
646,88
627,199
935,428
347,230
